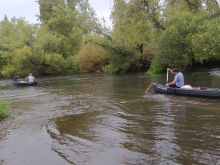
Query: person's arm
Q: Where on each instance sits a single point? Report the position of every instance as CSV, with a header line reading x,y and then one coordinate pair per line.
x,y
170,70
174,81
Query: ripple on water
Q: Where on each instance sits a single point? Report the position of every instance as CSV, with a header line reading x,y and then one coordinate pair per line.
x,y
106,119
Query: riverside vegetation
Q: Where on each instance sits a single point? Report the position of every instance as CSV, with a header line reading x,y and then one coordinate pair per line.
x,y
146,34
3,109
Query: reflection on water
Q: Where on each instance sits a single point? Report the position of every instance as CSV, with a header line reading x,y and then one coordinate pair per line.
x,y
106,119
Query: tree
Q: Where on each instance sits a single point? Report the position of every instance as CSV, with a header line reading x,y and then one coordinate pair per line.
x,y
64,24
212,7
174,46
91,58
17,39
58,40
131,36
206,42
46,8
49,49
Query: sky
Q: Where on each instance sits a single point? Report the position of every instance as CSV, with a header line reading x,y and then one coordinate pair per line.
x,y
29,9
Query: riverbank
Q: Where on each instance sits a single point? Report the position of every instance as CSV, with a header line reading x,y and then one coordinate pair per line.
x,y
4,126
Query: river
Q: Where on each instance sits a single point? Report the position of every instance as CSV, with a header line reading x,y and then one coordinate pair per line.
x,y
102,119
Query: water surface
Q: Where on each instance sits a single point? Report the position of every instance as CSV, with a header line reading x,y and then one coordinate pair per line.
x,y
96,119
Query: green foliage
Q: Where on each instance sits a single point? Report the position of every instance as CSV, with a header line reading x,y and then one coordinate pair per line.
x,y
91,58
212,7
3,109
206,42
9,71
59,39
126,44
120,56
64,24
156,68
49,49
46,8
174,46
131,36
17,39
155,33
172,35
130,25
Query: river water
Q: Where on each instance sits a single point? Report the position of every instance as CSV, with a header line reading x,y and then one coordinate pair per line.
x,y
101,119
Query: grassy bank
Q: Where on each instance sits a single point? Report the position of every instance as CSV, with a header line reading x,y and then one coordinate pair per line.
x,y
3,109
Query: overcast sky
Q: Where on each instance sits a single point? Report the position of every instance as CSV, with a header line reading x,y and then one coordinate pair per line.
x,y
29,9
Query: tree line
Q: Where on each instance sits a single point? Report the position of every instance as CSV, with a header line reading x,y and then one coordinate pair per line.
x,y
146,34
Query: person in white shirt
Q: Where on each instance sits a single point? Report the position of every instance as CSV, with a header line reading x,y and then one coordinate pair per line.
x,y
30,78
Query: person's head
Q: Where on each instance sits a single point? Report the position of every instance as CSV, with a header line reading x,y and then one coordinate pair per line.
x,y
175,70
30,74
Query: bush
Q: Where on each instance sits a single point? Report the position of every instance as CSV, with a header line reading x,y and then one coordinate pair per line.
x,y
3,109
156,67
159,69
91,58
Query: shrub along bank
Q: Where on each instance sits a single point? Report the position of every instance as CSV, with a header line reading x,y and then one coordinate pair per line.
x,y
3,109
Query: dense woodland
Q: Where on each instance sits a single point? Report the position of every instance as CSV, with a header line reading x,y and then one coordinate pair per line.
x,y
145,34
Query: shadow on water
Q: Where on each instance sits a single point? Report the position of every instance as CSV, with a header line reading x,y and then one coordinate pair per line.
x,y
106,119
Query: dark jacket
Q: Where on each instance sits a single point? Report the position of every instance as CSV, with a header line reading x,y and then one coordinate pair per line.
x,y
16,78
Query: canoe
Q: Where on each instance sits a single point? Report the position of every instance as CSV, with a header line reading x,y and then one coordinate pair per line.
x,y
208,92
22,83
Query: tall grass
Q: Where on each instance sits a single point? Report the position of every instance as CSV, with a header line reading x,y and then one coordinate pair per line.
x,y
3,109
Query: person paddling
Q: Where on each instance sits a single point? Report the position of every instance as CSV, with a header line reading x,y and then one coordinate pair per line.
x,y
178,81
17,78
30,78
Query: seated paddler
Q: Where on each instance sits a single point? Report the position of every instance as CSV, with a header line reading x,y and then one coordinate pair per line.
x,y
17,78
178,81
30,78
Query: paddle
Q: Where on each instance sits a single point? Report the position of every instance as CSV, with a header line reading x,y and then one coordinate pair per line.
x,y
167,80
148,88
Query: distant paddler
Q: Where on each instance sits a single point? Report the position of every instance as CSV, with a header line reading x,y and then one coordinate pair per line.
x,y
17,78
30,78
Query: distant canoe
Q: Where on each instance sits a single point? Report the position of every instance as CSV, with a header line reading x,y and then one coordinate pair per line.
x,y
22,83
208,92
